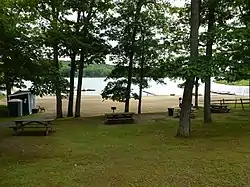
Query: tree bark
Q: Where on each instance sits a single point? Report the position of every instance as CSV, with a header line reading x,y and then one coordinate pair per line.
x,y
196,103
79,88
184,123
141,76
207,101
59,113
140,99
131,58
73,69
7,85
72,85
209,54
128,90
8,90
55,15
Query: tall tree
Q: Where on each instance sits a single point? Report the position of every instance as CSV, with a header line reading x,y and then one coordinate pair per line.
x,y
184,124
72,43
94,48
209,53
55,5
141,74
237,35
128,54
51,13
19,50
134,30
22,55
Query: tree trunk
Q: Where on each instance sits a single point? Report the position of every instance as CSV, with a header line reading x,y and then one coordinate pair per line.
x,y
73,69
8,91
140,100
79,88
207,101
184,123
131,57
72,85
196,103
55,15
7,85
128,90
59,113
141,76
209,54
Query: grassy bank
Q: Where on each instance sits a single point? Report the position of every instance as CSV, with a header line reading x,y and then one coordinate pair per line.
x,y
237,83
84,152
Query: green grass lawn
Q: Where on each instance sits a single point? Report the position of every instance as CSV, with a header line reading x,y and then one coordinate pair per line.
x,y
237,83
84,152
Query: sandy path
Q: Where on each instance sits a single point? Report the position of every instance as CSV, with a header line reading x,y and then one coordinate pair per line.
x,y
93,105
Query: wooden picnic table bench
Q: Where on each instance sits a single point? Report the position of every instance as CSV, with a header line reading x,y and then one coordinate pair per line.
x,y
219,109
32,123
177,113
117,118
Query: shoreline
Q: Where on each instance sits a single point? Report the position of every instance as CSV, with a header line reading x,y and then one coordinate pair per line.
x,y
96,85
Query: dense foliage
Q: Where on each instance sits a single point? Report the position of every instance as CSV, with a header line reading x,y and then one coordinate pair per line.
x,y
150,40
138,50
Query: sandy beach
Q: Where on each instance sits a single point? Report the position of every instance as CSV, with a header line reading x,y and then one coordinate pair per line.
x,y
95,106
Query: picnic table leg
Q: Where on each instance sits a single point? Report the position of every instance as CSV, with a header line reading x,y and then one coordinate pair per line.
x,y
47,131
15,131
48,128
50,125
17,128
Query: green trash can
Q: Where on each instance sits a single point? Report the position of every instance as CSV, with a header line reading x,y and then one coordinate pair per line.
x,y
170,111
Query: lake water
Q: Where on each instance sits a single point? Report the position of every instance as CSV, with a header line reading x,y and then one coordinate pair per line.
x,y
171,87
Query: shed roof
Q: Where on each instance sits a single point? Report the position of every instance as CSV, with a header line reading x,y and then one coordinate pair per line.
x,y
20,92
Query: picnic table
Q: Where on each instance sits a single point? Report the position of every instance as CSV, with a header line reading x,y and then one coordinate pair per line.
x,y
32,123
117,118
177,113
219,109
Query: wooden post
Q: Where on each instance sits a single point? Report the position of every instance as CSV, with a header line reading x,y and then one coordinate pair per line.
x,y
223,101
242,104
235,103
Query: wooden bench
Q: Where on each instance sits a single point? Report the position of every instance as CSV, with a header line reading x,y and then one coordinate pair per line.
x,y
219,109
119,118
32,123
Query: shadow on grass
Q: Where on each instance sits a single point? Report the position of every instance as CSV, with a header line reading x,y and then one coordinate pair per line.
x,y
234,124
34,133
4,111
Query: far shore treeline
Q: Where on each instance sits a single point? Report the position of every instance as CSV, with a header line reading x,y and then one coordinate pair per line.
x,y
92,70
